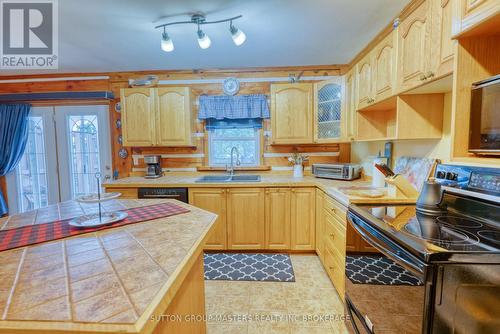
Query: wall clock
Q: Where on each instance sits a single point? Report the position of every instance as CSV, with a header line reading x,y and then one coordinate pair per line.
x,y
231,86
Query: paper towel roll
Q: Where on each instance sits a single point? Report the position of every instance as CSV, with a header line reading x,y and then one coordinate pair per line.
x,y
378,179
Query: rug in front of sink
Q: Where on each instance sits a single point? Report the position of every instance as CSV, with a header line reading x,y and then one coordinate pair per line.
x,y
249,267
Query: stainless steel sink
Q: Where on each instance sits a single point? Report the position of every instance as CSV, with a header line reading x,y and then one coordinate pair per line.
x,y
228,178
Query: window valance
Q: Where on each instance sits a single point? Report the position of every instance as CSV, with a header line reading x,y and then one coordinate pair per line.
x,y
233,107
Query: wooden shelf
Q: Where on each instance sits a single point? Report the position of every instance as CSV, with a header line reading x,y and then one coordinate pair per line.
x,y
417,116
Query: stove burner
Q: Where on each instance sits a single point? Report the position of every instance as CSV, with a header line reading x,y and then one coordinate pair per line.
x,y
460,222
441,234
490,235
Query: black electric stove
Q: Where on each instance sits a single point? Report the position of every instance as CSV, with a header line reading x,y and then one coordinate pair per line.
x,y
455,256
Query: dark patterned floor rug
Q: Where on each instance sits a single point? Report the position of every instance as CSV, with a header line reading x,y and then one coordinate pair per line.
x,y
374,269
249,267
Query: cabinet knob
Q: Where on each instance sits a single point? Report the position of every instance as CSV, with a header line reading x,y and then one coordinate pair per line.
x,y
423,77
331,267
332,235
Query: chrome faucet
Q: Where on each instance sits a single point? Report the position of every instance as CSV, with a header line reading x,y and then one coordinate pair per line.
x,y
230,168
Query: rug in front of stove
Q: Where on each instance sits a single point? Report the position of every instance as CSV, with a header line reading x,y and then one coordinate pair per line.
x,y
379,270
249,267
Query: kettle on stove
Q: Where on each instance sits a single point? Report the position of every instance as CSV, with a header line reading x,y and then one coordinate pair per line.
x,y
429,201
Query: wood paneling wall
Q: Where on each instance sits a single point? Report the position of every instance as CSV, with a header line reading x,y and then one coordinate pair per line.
x,y
116,81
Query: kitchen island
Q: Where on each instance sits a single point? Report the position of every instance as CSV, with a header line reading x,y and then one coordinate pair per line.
x,y
138,278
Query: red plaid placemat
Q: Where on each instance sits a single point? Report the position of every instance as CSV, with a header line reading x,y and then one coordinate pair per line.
x,y
35,234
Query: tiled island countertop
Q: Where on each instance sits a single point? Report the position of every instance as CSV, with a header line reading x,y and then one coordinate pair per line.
x,y
337,189
110,281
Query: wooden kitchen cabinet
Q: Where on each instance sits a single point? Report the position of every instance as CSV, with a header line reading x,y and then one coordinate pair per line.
x,y
303,218
277,222
413,48
173,118
246,218
138,116
478,17
329,111
156,116
384,57
213,200
364,77
441,44
320,217
291,113
350,109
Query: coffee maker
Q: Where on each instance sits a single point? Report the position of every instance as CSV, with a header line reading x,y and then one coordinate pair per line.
x,y
153,169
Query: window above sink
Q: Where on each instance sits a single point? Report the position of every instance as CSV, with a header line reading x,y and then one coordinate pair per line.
x,y
226,134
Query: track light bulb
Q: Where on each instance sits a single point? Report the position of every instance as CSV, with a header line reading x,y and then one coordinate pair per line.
x,y
166,43
239,36
203,40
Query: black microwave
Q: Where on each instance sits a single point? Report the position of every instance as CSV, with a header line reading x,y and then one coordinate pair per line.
x,y
484,131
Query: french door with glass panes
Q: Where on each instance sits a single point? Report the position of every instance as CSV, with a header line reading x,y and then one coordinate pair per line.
x,y
66,147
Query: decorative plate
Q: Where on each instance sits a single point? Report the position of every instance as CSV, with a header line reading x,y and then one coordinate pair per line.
x,y
123,153
118,107
120,139
93,198
231,86
118,123
93,220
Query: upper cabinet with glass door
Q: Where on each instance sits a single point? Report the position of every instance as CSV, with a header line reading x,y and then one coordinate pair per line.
x,y
329,111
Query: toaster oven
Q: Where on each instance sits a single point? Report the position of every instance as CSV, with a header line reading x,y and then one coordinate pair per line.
x,y
340,171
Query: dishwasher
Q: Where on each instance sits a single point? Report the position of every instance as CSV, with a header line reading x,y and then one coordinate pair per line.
x,y
180,194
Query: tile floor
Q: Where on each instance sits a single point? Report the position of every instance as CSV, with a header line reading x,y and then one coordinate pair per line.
x,y
269,304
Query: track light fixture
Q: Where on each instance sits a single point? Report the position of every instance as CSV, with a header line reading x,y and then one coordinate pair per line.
x,y
166,43
204,41
239,36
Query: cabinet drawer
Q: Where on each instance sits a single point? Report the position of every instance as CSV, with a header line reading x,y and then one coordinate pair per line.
x,y
336,271
335,237
335,209
127,193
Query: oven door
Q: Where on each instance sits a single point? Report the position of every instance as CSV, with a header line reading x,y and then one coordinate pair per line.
x,y
385,293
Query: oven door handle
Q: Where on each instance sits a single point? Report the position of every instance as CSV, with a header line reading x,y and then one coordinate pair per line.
x,y
407,261
353,311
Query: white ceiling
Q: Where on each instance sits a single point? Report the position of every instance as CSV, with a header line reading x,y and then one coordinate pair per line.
x,y
118,35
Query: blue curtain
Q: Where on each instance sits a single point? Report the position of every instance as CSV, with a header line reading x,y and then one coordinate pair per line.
x,y
13,138
233,107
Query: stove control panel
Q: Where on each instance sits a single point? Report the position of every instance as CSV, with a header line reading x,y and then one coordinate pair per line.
x,y
477,179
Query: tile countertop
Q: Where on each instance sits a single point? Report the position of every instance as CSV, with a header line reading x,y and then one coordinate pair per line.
x,y
107,281
337,189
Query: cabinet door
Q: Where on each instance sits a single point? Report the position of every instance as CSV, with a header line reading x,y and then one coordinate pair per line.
x,y
364,82
277,218
303,218
329,110
351,239
138,116
291,113
174,116
413,48
384,67
350,109
245,218
213,200
441,44
320,217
